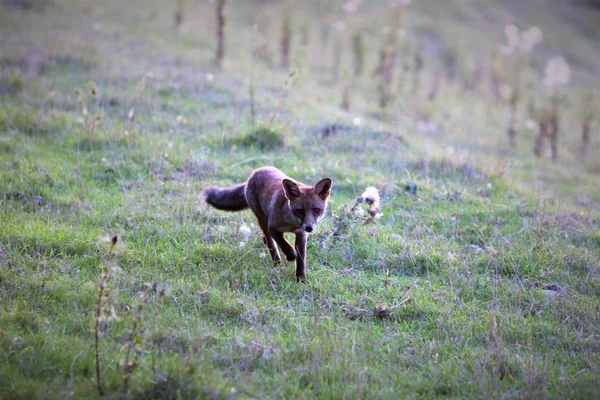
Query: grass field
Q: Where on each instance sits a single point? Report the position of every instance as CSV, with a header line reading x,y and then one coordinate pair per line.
x,y
482,283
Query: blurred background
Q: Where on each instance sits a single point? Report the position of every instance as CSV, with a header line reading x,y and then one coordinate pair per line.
x,y
511,81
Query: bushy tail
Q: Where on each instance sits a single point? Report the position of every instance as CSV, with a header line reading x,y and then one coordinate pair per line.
x,y
229,199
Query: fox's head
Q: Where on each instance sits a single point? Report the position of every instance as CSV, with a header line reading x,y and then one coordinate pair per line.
x,y
308,204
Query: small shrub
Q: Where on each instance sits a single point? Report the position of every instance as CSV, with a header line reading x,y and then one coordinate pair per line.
x,y
262,137
11,85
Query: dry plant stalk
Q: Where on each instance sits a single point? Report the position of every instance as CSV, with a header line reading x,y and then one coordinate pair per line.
x,y
417,68
101,288
387,62
82,99
261,43
585,135
544,128
513,119
251,88
327,12
435,84
158,307
345,103
589,100
179,8
473,74
358,51
141,86
305,34
286,84
132,347
85,109
102,310
450,65
336,60
554,128
498,76
286,35
220,15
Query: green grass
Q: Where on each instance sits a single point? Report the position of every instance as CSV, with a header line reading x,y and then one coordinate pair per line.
x,y
485,283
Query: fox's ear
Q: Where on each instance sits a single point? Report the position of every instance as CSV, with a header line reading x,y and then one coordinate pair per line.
x,y
292,191
323,188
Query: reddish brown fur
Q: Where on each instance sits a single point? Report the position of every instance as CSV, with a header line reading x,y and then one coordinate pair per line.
x,y
281,205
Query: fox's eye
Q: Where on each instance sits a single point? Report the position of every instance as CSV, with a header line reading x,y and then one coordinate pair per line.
x,y
299,212
317,210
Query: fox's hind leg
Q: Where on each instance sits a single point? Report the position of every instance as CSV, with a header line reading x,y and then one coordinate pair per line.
x,y
288,250
272,247
270,243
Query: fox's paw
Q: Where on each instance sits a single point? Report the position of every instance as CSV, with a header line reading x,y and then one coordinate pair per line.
x,y
291,256
301,279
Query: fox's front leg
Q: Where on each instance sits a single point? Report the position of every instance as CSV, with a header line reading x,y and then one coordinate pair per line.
x,y
288,250
301,239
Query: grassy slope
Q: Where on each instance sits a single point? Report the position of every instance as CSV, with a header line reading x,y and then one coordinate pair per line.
x,y
472,251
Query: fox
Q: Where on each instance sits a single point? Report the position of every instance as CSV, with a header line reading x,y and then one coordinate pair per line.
x,y
280,204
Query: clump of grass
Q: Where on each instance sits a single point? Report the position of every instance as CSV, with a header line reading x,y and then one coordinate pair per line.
x,y
28,121
263,137
378,311
11,85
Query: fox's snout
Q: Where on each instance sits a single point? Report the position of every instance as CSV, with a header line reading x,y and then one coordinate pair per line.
x,y
308,228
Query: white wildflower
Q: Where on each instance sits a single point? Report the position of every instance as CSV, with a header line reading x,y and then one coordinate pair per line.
x,y
557,72
530,38
371,197
512,39
339,26
505,91
245,231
